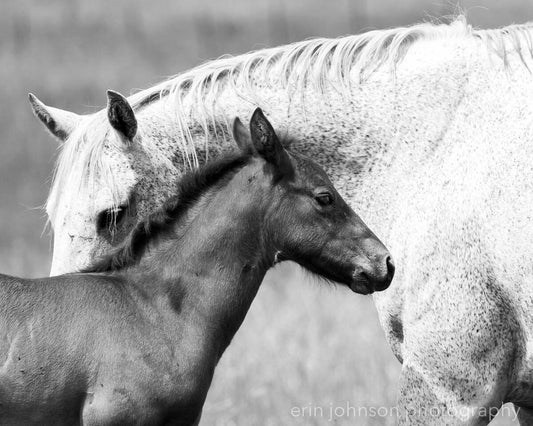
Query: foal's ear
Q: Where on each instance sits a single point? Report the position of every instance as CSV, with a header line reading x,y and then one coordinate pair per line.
x,y
58,122
242,136
267,143
121,117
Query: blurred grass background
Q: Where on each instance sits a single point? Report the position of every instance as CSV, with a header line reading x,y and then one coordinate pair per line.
x,y
302,345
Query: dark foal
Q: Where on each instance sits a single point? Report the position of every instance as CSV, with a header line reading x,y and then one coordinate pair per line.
x,y
136,338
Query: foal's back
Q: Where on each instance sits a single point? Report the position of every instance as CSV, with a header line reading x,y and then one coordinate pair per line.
x,y
35,380
103,328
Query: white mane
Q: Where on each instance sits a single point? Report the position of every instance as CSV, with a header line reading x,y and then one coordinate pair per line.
x,y
324,60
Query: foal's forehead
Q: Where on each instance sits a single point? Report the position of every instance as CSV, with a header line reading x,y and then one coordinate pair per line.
x,y
310,171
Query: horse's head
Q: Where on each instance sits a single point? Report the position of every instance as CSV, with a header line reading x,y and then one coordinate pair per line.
x,y
111,171
308,222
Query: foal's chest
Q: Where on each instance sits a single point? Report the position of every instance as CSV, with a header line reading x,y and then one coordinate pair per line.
x,y
149,387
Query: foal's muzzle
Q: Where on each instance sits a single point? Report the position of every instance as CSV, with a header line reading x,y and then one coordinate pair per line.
x,y
375,271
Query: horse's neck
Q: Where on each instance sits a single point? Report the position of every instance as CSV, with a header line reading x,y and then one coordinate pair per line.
x,y
383,124
211,271
375,138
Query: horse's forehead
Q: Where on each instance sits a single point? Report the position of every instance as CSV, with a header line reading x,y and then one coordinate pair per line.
x,y
129,175
154,187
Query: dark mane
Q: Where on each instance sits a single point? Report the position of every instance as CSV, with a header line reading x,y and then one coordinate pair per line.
x,y
189,189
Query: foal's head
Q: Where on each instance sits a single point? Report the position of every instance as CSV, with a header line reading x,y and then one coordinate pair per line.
x,y
280,205
307,221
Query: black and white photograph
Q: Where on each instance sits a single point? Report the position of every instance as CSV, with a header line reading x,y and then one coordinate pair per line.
x,y
266,213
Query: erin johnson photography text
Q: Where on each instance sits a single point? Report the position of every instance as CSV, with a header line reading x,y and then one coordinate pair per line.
x,y
331,412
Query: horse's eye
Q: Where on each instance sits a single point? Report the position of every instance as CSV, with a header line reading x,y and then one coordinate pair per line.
x,y
108,219
324,198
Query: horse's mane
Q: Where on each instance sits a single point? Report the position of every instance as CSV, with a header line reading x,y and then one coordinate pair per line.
x,y
189,189
320,63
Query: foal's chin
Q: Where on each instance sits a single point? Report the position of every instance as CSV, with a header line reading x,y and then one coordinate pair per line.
x,y
361,287
358,283
342,275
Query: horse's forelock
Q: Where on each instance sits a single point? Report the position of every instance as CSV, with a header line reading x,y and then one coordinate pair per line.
x,y
81,163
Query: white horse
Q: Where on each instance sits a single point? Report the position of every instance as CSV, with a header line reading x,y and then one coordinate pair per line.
x,y
427,130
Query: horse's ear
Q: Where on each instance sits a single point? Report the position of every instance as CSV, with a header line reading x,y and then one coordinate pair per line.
x,y
121,116
242,136
59,123
267,143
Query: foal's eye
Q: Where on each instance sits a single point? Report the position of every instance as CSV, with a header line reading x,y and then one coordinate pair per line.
x,y
110,218
324,198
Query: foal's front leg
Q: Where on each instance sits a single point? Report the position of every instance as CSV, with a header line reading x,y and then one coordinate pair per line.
x,y
457,355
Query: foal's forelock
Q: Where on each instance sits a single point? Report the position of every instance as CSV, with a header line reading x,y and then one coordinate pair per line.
x,y
321,64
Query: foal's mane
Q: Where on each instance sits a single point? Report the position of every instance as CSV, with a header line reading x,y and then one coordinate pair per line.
x,y
189,189
320,63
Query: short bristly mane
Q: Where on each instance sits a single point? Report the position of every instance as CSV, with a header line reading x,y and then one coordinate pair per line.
x,y
319,63
189,189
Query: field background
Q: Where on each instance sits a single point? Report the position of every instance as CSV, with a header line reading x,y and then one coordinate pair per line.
x,y
303,344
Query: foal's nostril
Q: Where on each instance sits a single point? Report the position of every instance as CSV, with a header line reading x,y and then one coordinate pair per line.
x,y
390,268
384,277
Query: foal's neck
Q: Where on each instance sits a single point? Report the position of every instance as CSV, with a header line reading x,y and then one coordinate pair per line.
x,y
366,147
211,269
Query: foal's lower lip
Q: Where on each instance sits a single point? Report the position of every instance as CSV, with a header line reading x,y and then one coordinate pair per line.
x,y
360,289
